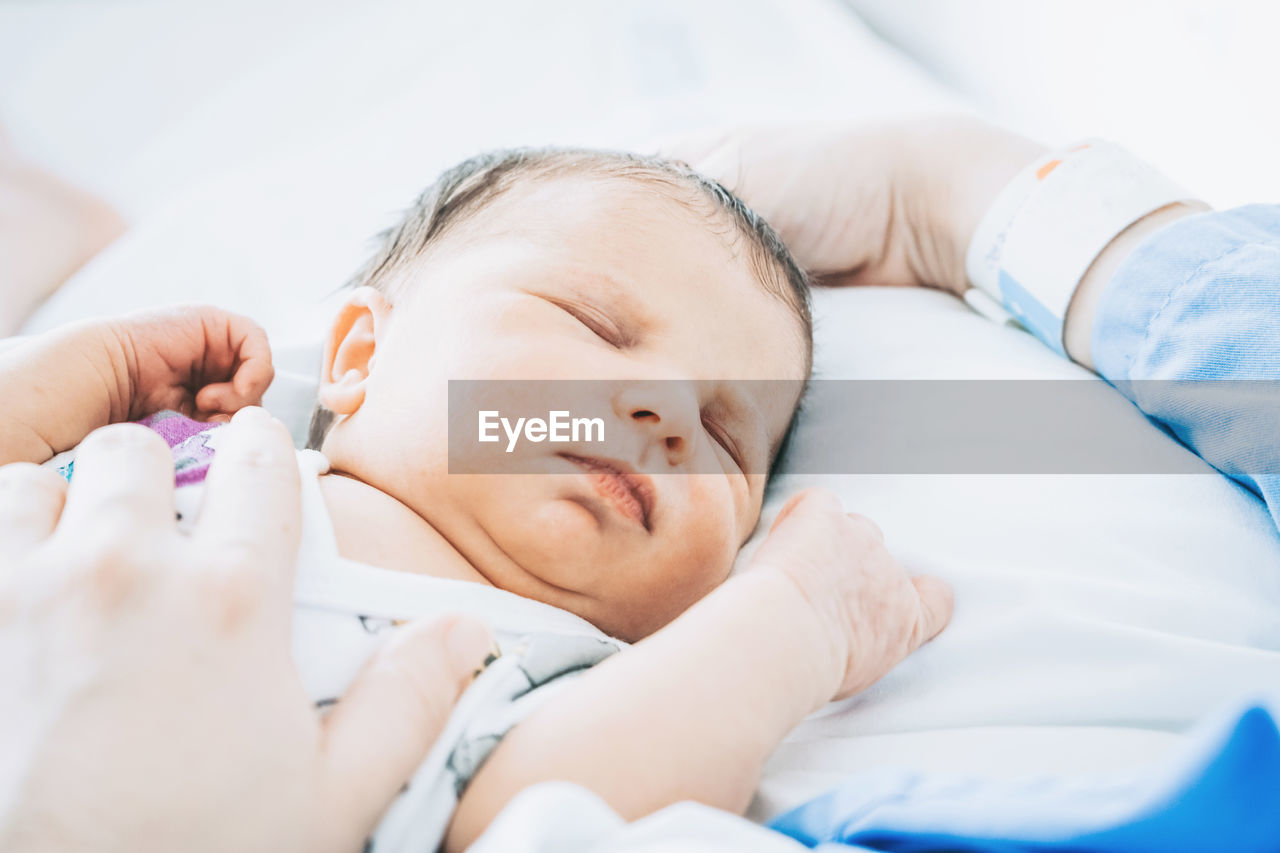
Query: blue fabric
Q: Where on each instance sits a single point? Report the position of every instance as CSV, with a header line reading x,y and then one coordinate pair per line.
x,y
1223,794
1200,300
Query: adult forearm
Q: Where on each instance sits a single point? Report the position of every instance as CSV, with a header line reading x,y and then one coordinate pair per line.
x,y
690,713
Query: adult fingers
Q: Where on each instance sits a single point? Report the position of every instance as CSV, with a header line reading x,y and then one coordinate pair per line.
x,y
251,516
397,707
123,477
937,603
31,499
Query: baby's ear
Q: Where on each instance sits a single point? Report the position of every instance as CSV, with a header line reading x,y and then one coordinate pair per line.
x,y
349,350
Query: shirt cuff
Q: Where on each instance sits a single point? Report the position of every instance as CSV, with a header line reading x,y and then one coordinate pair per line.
x,y
1157,276
1050,223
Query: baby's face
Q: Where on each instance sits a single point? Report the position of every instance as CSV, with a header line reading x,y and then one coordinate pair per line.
x,y
582,279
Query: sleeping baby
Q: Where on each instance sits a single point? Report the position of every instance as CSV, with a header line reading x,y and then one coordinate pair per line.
x,y
630,660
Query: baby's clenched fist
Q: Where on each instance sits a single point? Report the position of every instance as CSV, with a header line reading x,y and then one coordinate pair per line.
x,y
196,359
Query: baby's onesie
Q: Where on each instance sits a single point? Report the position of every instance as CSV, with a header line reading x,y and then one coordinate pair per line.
x,y
345,610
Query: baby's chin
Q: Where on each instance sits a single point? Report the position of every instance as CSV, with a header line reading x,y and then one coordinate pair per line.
x,y
558,541
570,553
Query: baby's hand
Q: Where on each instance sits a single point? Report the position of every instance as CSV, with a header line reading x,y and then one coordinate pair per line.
x,y
871,611
195,359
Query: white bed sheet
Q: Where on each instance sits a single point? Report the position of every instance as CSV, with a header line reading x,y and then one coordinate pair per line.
x,y
1097,618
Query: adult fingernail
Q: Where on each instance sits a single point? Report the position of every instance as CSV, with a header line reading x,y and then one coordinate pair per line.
x,y
470,647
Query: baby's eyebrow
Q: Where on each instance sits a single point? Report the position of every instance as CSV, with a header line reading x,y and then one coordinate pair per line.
x,y
617,298
592,283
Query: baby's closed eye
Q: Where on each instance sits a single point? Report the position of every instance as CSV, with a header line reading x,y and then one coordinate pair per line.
x,y
597,321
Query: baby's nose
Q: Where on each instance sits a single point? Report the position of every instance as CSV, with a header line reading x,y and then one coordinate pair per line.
x,y
665,412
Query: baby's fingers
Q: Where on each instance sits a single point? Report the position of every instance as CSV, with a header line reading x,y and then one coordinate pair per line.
x,y
239,355
223,398
815,500
254,371
937,603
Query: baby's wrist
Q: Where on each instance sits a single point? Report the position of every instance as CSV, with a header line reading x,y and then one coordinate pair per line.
x,y
79,363
103,365
87,362
815,653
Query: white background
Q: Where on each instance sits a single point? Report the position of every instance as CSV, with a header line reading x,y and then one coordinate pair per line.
x,y
140,99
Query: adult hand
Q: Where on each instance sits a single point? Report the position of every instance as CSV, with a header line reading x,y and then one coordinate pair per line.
x,y
888,204
151,701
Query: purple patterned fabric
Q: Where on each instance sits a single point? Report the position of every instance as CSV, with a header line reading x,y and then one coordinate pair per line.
x,y
189,441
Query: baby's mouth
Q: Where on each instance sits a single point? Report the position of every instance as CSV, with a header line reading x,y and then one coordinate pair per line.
x,y
631,494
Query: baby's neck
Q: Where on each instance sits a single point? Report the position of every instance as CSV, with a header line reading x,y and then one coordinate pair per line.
x,y
374,528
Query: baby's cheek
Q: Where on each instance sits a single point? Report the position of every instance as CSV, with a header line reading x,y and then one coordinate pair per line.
x,y
706,541
716,506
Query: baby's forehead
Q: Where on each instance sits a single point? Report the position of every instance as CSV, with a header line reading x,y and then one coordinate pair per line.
x,y
577,216
618,201
671,287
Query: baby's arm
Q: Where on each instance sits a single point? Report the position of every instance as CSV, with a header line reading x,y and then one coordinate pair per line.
x,y
58,387
692,712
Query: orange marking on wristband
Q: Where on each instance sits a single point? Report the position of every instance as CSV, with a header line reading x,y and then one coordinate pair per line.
x,y
1047,168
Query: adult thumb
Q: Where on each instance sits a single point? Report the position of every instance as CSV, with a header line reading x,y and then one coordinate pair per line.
x,y
389,718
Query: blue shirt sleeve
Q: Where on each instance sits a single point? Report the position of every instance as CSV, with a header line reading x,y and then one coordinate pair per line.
x,y
1200,300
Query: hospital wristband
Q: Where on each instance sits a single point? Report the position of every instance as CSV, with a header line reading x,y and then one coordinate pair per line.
x,y
1048,225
